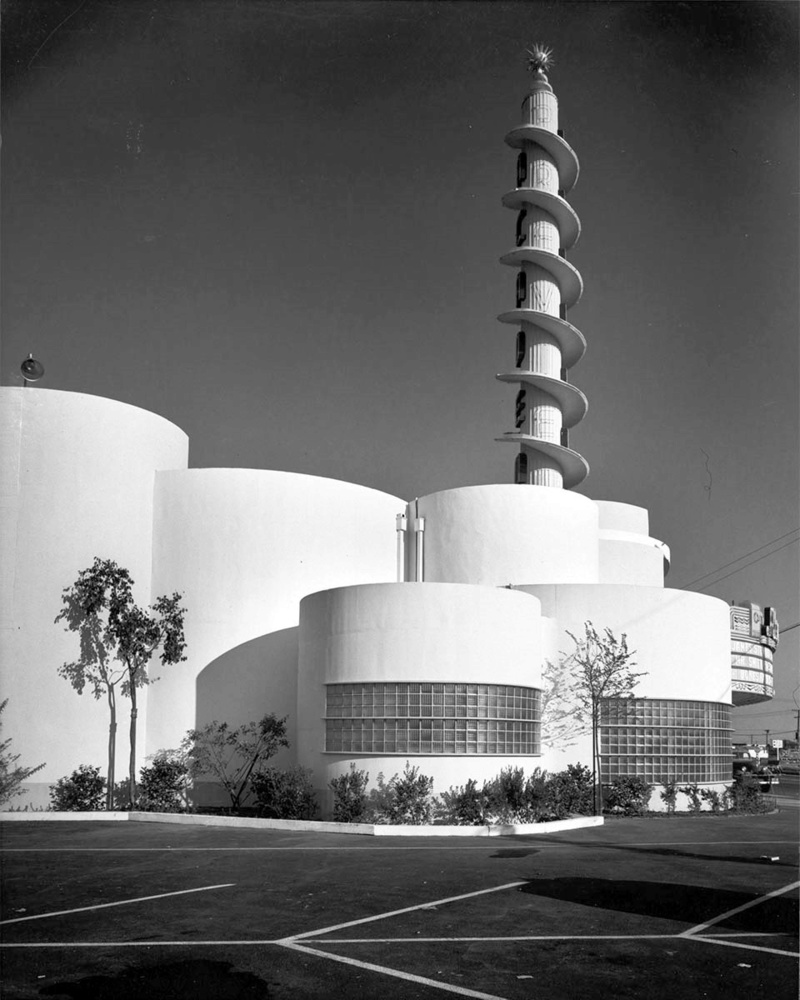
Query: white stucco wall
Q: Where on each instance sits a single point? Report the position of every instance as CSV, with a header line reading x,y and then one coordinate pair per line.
x,y
427,632
627,552
77,482
507,534
244,546
681,639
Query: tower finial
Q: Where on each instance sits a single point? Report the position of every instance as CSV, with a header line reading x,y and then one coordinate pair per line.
x,y
540,59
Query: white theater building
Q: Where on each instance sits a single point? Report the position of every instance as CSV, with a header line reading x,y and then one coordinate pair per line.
x,y
385,631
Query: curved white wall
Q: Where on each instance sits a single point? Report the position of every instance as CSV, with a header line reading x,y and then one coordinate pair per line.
x,y
245,546
508,534
681,639
412,632
627,552
77,482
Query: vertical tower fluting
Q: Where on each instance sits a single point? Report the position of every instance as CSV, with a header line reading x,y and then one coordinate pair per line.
x,y
547,345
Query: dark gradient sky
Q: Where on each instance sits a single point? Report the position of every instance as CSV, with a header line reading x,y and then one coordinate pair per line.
x,y
278,224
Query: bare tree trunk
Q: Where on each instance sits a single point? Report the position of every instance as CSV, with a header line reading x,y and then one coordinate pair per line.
x,y
132,762
112,745
596,791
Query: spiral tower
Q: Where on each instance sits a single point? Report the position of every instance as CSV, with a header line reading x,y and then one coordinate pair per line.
x,y
547,345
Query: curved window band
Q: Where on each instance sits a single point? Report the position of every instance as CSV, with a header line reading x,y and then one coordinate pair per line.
x,y
420,718
662,740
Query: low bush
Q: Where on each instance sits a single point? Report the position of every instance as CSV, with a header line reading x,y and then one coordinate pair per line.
x,y
511,797
406,799
715,800
569,792
350,796
508,797
81,791
628,795
284,794
462,805
162,783
693,793
669,794
745,796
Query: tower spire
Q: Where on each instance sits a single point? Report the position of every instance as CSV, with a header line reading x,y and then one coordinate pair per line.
x,y
547,345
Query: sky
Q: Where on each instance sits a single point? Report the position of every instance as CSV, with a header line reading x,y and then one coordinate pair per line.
x,y
278,225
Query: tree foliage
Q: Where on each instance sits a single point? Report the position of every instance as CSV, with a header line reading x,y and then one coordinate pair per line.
x,y
233,755
117,640
162,782
81,791
284,794
12,775
600,667
350,796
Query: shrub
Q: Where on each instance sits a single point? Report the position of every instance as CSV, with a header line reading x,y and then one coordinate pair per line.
x,y
669,794
162,784
284,794
350,796
693,792
81,791
406,799
568,792
463,805
745,795
508,795
714,799
628,795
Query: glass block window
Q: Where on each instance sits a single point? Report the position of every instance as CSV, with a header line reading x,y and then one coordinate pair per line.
x,y
417,718
659,739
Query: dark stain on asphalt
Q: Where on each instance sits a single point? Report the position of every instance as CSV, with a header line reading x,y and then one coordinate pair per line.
x,y
199,980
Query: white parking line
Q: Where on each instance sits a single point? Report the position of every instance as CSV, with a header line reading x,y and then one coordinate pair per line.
x,y
739,909
531,937
394,913
122,902
384,970
747,947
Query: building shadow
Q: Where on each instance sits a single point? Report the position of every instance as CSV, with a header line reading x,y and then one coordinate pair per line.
x,y
687,904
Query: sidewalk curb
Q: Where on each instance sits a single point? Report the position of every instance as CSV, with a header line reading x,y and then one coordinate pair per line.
x,y
308,826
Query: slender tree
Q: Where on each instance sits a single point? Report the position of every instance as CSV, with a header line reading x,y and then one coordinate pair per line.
x,y
100,607
232,756
11,774
600,668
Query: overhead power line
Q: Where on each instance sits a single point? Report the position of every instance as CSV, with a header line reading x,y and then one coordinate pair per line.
x,y
766,545
752,562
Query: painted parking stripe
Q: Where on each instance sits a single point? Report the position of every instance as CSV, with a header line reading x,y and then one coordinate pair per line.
x,y
121,902
532,937
740,909
186,943
394,913
747,947
385,971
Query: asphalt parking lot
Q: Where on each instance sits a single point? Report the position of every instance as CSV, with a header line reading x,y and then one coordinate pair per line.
x,y
689,907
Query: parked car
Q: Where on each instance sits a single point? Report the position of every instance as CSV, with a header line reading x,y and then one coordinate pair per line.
x,y
767,776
